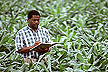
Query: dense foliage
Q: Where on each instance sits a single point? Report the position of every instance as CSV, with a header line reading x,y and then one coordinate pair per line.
x,y
81,25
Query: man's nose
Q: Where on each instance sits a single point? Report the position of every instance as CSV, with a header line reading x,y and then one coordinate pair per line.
x,y
36,21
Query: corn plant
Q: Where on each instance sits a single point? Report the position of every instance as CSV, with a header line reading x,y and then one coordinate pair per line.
x,y
81,25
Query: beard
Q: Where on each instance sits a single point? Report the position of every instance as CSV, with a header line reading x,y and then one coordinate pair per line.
x,y
35,26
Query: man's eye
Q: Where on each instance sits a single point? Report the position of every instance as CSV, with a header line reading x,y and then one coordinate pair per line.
x,y
38,20
34,20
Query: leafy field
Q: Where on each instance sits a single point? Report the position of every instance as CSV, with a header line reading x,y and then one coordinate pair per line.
x,y
82,25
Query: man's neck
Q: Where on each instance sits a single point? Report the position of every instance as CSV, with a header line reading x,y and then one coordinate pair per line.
x,y
33,28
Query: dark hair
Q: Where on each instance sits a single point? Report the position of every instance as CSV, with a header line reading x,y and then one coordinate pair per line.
x,y
33,12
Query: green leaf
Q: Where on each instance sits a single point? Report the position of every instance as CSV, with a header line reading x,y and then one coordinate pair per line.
x,y
2,68
23,67
80,57
42,66
61,68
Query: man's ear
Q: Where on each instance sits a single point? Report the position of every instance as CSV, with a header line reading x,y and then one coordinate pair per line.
x,y
28,20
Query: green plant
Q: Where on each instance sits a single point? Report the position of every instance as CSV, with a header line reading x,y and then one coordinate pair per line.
x,y
81,25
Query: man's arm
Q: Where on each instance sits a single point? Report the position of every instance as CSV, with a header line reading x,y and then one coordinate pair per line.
x,y
39,50
25,49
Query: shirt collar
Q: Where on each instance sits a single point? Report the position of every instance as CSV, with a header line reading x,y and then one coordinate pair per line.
x,y
32,29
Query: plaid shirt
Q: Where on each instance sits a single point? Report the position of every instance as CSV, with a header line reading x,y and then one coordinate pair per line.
x,y
27,37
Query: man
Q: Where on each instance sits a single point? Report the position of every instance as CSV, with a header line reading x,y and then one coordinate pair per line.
x,y
30,36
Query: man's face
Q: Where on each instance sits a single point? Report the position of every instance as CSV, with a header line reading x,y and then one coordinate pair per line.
x,y
34,21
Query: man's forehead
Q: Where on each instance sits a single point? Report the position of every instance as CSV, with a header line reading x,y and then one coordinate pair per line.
x,y
35,16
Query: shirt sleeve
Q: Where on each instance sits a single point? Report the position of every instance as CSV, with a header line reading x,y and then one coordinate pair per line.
x,y
18,42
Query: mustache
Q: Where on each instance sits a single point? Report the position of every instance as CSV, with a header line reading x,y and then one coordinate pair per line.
x,y
35,24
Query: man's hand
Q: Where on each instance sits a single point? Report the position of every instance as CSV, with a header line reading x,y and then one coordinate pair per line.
x,y
42,49
36,43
